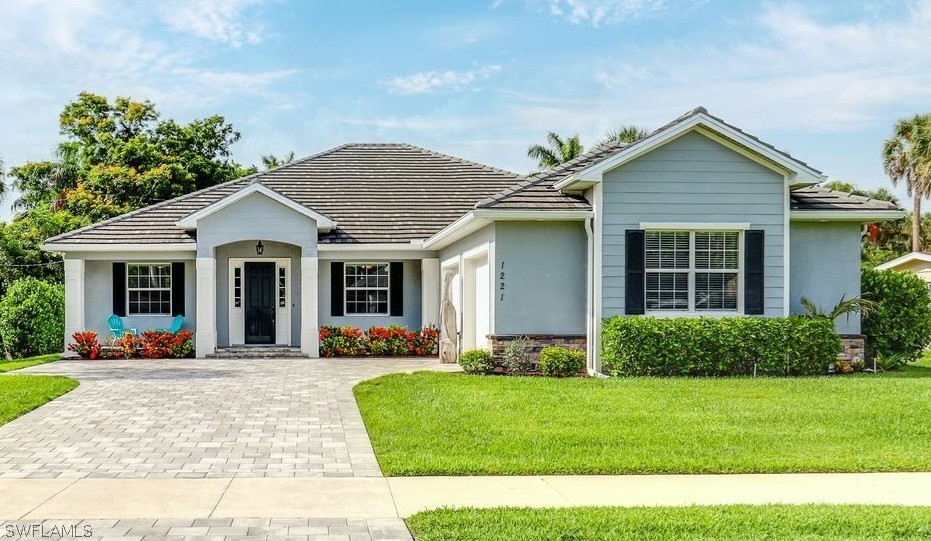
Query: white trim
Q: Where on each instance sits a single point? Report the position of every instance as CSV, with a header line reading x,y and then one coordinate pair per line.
x,y
100,247
597,288
703,123
450,262
478,251
387,265
430,291
694,226
236,316
361,255
907,258
414,245
479,218
862,216
310,336
74,299
786,254
190,221
170,288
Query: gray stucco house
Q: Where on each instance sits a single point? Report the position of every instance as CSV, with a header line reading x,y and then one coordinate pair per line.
x,y
697,219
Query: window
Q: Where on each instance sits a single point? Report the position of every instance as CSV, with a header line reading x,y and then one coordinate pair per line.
x,y
367,288
237,287
692,270
282,300
149,288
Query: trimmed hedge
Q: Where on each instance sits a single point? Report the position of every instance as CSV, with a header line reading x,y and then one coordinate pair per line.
x,y
32,318
734,346
900,325
477,361
560,362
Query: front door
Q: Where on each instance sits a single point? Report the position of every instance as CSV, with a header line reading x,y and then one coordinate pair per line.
x,y
260,303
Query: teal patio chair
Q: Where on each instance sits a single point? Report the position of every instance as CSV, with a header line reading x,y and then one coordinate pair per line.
x,y
176,324
117,329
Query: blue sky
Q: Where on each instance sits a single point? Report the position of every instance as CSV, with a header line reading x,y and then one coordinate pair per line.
x,y
480,79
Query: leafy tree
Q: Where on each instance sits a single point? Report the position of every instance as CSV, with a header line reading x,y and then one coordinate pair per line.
x,y
907,159
626,134
556,151
270,161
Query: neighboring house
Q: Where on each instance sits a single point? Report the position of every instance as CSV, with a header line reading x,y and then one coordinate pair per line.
x,y
697,219
917,262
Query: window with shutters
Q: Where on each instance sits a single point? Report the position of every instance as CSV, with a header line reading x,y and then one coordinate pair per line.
x,y
367,288
692,271
148,288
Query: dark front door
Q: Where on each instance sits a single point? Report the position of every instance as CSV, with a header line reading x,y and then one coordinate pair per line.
x,y
260,303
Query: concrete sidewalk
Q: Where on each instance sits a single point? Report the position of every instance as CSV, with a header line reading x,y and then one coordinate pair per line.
x,y
37,499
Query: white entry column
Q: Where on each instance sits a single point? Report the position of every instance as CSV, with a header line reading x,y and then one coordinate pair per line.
x,y
74,298
206,339
310,336
430,291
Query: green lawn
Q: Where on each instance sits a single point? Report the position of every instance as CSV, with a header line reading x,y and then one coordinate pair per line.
x,y
453,424
731,523
16,364
21,394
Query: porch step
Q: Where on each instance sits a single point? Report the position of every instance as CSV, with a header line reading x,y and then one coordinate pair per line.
x,y
257,352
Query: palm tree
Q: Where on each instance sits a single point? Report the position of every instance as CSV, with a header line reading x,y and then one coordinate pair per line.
x,y
270,161
907,158
627,134
556,151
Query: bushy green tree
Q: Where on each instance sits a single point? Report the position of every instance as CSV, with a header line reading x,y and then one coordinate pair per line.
x,y
32,318
900,321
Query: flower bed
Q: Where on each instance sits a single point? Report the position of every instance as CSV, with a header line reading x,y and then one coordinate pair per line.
x,y
150,345
391,341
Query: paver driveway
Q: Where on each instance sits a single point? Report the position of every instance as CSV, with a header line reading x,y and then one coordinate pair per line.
x,y
200,418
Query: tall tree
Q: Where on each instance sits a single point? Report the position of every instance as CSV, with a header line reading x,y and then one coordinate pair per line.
x,y
626,134
556,151
907,159
270,161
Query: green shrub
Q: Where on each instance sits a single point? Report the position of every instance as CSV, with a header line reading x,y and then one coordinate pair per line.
x,y
477,361
561,362
734,346
515,359
901,322
32,318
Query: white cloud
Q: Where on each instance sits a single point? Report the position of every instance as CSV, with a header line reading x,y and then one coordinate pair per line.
x,y
598,12
431,81
223,21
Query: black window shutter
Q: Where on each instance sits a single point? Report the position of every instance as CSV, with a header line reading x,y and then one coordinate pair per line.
x,y
119,289
177,288
635,275
337,288
397,288
753,272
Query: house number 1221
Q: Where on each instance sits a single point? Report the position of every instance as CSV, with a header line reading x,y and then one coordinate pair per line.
x,y
501,281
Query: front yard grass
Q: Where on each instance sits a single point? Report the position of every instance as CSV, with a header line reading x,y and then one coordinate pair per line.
x,y
16,364
20,394
453,424
732,523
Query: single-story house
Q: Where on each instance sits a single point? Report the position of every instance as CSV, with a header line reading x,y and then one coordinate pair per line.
x,y
697,219
917,262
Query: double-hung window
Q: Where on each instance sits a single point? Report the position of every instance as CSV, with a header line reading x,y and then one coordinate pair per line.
x,y
692,271
148,287
367,288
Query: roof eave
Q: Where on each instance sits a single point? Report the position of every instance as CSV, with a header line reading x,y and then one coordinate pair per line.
x,y
190,221
479,218
846,215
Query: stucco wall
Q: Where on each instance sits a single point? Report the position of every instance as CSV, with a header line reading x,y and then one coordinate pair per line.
x,y
256,217
246,249
412,297
692,179
98,299
544,265
824,266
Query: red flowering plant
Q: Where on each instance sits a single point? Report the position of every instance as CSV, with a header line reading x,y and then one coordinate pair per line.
x,y
182,345
343,341
85,345
124,348
427,342
155,344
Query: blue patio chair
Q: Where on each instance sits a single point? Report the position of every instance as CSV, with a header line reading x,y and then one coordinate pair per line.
x,y
176,324
117,329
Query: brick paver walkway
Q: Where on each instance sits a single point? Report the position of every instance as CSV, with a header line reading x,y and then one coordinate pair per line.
x,y
200,418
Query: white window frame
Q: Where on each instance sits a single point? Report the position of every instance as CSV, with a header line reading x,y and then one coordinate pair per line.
x,y
692,271
129,289
347,288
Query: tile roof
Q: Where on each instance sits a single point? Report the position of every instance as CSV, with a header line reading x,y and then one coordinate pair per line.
x,y
820,198
377,193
